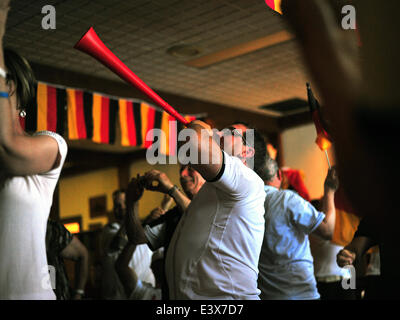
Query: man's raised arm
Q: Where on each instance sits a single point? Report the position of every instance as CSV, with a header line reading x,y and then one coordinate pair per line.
x,y
133,225
209,158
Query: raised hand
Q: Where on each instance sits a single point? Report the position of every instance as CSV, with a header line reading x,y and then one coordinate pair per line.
x,y
332,180
156,213
155,180
135,190
345,257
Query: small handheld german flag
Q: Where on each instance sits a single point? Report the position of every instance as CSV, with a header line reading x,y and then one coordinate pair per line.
x,y
323,140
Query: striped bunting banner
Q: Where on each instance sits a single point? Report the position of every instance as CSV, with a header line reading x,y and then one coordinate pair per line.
x,y
91,115
76,115
50,108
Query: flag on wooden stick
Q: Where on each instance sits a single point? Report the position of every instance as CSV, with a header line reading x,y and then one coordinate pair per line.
x,y
323,139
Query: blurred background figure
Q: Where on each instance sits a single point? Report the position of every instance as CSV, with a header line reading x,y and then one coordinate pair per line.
x,y
286,263
112,241
61,244
159,232
366,239
357,82
135,289
328,274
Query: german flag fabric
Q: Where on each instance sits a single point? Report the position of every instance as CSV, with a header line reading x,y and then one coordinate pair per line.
x,y
148,115
169,127
93,116
130,123
50,109
76,115
103,115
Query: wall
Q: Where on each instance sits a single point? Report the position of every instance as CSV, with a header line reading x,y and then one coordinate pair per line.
x,y
75,192
300,152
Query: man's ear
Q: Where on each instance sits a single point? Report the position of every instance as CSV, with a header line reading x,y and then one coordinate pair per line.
x,y
279,175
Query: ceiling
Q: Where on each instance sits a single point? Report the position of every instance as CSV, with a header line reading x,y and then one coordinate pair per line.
x,y
140,32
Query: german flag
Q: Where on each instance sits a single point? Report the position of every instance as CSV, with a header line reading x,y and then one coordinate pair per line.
x,y
169,127
157,123
76,115
148,115
103,115
130,123
50,108
323,139
274,5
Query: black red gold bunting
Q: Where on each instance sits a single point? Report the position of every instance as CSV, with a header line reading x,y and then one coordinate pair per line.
x,y
47,110
93,116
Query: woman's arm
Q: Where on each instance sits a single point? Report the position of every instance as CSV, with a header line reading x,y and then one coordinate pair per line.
x,y
19,153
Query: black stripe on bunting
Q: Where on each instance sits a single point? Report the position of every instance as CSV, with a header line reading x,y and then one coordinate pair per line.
x,y
157,119
61,110
88,112
31,114
157,125
138,122
114,107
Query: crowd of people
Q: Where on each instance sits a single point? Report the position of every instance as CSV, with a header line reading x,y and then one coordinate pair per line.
x,y
233,232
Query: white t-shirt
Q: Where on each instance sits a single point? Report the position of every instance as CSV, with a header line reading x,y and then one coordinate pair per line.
x,y
25,203
215,248
374,266
145,291
324,253
112,288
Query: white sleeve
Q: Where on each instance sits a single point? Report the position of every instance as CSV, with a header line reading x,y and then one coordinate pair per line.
x,y
303,214
155,236
145,291
237,180
62,149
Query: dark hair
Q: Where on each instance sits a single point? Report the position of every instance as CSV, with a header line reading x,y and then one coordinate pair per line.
x,y
260,146
116,193
119,212
20,73
268,170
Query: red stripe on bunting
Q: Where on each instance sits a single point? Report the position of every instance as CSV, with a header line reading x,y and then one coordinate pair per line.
x,y
151,113
131,123
80,117
172,135
51,108
105,123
